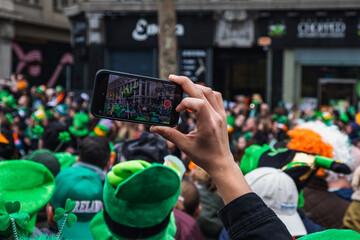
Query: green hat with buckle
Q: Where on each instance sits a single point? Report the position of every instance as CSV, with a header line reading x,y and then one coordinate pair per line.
x,y
79,127
138,202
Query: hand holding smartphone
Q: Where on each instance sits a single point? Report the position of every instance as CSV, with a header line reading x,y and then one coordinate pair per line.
x,y
134,98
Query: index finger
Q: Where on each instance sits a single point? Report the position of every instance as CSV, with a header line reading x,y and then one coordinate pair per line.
x,y
187,85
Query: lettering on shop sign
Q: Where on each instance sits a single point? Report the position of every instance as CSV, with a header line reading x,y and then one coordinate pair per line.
x,y
328,28
240,34
88,206
193,64
143,30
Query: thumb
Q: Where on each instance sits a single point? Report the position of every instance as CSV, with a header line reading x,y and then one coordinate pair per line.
x,y
170,134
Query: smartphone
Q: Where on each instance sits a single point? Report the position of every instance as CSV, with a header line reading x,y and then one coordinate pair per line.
x,y
134,98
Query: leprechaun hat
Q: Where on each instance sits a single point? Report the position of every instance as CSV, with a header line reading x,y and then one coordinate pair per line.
x,y
138,202
79,127
30,183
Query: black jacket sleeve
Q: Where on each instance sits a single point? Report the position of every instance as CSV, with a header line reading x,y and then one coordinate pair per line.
x,y
247,217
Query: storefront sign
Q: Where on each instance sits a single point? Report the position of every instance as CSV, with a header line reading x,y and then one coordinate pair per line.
x,y
234,33
325,28
307,29
134,31
193,64
144,30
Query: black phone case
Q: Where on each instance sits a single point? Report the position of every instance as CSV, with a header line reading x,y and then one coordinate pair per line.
x,y
93,112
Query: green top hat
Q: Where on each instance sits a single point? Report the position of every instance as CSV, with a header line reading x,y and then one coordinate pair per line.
x,y
333,234
138,202
79,127
30,183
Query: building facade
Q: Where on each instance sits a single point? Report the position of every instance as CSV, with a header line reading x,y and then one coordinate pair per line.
x,y
35,41
314,49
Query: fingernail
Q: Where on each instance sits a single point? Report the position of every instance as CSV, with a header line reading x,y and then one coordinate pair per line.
x,y
172,76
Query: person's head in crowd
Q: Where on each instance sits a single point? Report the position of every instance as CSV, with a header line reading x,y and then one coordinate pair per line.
x,y
279,192
20,77
200,177
148,147
50,139
138,202
69,98
250,125
50,93
28,182
33,91
240,120
264,110
257,98
60,112
189,199
46,158
240,147
83,186
19,127
264,125
24,101
241,144
240,99
95,150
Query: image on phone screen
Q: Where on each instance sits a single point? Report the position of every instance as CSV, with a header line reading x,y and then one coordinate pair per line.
x,y
133,98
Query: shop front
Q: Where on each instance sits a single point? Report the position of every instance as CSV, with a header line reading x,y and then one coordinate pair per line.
x,y
239,65
131,44
320,54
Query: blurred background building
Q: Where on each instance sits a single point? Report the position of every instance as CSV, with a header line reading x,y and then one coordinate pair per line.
x,y
35,40
314,50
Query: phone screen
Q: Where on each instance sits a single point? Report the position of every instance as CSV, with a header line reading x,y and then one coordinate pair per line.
x,y
141,99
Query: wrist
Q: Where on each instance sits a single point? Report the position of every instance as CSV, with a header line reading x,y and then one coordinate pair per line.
x,y
222,167
229,180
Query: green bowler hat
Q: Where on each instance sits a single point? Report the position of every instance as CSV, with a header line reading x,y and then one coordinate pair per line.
x,y
30,183
138,202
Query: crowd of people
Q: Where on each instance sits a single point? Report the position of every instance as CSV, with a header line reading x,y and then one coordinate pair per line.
x,y
226,171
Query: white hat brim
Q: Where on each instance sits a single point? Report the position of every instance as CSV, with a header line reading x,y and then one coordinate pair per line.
x,y
293,223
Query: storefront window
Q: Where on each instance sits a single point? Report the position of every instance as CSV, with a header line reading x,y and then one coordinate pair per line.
x,y
336,83
312,74
240,72
136,62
